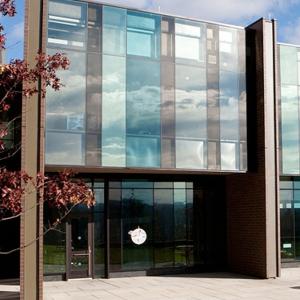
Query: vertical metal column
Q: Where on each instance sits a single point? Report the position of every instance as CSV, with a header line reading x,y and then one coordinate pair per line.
x,y
31,228
107,225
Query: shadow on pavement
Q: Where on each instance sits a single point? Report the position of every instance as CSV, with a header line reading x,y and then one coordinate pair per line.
x,y
9,282
9,295
218,275
295,287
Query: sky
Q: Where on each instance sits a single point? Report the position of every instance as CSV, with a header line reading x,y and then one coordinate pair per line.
x,y
235,12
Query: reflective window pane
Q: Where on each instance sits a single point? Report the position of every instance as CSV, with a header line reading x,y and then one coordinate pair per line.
x,y
143,97
229,105
190,154
180,226
64,148
191,110
65,109
190,41
114,30
143,151
188,28
137,184
229,156
143,113
296,195
54,248
113,111
163,231
286,184
187,47
290,129
228,49
288,65
143,34
298,72
296,183
67,24
65,115
286,195
137,206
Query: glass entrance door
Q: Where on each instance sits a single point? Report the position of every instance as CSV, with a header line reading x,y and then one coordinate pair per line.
x,y
80,247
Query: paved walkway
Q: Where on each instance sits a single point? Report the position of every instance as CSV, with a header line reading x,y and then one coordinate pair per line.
x,y
216,286
212,286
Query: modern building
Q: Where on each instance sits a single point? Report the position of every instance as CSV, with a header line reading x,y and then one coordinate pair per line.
x,y
154,115
186,130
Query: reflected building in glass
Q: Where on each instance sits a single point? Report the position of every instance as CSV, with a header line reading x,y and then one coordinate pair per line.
x,y
145,91
289,156
171,122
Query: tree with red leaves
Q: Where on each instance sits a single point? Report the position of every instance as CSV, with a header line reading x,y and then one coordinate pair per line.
x,y
61,191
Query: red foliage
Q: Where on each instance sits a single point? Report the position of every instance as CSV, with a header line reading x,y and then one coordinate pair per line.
x,y
7,7
12,188
18,72
61,191
2,38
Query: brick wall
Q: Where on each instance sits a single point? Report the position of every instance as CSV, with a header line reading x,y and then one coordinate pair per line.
x,y
251,197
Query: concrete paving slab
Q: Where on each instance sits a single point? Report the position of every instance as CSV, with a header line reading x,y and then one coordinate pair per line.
x,y
209,286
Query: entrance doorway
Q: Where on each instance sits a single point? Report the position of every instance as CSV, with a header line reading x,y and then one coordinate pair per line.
x,y
80,246
183,229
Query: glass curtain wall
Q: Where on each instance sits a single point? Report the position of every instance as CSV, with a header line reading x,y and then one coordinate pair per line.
x,y
229,80
93,88
66,109
114,87
289,106
145,90
165,211
167,80
176,216
191,94
290,218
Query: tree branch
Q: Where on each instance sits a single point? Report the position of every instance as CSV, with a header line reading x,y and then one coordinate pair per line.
x,y
52,227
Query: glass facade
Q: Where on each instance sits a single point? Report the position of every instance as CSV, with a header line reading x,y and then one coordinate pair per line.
x,y
174,214
162,210
145,91
143,113
289,107
290,218
289,58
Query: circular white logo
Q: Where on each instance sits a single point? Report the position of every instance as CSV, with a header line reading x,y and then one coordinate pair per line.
x,y
138,236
